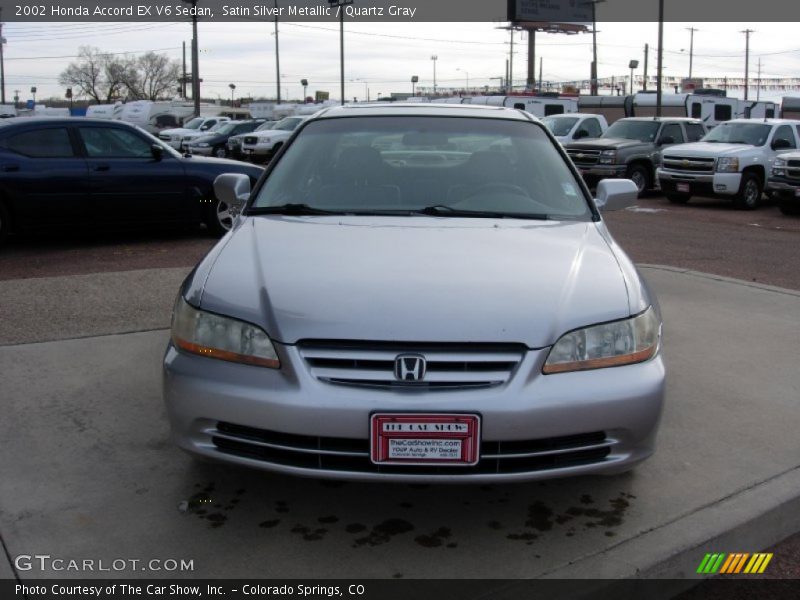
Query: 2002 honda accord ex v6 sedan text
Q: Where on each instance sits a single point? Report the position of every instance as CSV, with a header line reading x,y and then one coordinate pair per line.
x,y
418,293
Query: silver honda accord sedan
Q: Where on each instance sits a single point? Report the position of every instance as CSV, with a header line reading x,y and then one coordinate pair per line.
x,y
420,293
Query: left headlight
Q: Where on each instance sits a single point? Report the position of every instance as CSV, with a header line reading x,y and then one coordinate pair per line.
x,y
608,157
779,166
215,336
612,344
728,165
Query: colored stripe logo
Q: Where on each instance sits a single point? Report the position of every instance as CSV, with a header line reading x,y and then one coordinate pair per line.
x,y
734,563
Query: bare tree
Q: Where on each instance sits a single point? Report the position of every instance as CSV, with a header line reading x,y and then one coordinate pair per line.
x,y
105,77
151,76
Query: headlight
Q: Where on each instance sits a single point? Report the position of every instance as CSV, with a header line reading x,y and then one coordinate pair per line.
x,y
608,157
613,344
779,166
728,165
215,336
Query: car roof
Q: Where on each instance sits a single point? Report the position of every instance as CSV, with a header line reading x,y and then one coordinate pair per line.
x,y
662,118
422,109
766,121
572,114
62,121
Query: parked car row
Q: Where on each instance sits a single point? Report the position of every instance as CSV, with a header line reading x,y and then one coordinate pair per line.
x,y
739,159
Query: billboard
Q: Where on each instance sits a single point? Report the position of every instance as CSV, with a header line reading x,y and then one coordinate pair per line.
x,y
555,15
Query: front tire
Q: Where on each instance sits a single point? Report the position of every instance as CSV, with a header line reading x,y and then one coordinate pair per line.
x,y
640,175
220,152
749,195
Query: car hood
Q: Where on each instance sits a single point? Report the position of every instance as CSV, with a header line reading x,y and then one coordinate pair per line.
x,y
606,144
707,149
417,279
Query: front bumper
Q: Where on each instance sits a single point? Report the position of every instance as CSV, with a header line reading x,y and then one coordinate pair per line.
x,y
201,151
785,188
287,420
719,184
257,150
597,172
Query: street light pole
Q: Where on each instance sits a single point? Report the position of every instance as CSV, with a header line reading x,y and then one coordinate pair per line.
x,y
593,84
414,80
2,64
233,87
277,59
632,65
195,60
747,33
340,4
660,55
434,58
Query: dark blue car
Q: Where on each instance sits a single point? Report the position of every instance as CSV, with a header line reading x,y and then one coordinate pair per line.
x,y
77,172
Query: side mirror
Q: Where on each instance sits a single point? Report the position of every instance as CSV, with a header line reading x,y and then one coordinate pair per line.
x,y
581,133
667,139
233,189
157,151
204,127
780,144
615,194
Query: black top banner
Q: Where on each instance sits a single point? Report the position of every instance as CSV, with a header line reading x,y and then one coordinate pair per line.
x,y
542,13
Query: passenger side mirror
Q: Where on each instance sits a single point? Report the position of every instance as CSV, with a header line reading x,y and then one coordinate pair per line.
x,y
666,140
157,151
616,194
233,189
581,133
780,144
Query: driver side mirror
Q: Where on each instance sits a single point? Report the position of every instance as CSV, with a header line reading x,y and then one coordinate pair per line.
x,y
780,144
233,189
580,134
157,151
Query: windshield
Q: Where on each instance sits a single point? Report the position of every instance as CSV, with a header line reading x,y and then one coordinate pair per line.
x,y
408,165
560,126
265,126
224,128
287,124
194,123
753,134
644,131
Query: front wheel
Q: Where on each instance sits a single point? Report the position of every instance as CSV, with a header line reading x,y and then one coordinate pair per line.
x,y
640,175
220,152
676,198
220,217
749,195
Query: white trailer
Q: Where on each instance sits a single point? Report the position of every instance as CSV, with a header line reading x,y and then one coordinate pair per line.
x,y
104,111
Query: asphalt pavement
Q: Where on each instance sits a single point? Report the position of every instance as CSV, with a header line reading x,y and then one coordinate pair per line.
x,y
89,471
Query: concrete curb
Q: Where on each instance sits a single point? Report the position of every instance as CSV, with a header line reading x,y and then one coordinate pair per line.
x,y
711,276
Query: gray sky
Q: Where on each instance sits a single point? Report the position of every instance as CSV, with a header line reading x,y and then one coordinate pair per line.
x,y
385,56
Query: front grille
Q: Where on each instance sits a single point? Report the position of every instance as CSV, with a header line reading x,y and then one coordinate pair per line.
x,y
793,170
345,454
689,164
251,139
583,157
448,366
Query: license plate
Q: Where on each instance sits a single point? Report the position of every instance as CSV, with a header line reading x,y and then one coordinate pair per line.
x,y
683,187
424,439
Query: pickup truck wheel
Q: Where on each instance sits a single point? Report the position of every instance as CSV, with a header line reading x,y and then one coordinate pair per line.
x,y
749,195
220,152
640,175
678,198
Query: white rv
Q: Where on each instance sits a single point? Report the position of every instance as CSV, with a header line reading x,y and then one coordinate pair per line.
x,y
538,106
712,109
104,111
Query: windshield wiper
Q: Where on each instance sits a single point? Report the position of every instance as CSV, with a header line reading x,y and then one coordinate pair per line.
x,y
441,210
291,209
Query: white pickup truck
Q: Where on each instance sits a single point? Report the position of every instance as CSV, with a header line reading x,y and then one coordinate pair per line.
x,y
784,182
733,161
569,127
197,126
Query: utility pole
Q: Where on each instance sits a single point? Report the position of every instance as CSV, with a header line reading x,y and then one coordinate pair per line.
x,y
531,83
746,33
183,80
593,83
758,89
540,74
644,76
2,64
278,57
511,62
691,48
195,60
660,55
340,4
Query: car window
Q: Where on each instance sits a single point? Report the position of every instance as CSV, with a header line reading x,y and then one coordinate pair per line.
x,y
753,134
674,131
287,124
111,142
404,164
722,112
559,126
694,131
697,110
593,128
553,109
644,131
784,132
50,142
194,123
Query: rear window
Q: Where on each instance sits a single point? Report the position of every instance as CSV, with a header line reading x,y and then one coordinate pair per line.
x,y
405,163
51,142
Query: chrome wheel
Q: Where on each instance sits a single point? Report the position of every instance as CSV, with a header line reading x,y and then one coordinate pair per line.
x,y
751,193
220,153
639,179
225,216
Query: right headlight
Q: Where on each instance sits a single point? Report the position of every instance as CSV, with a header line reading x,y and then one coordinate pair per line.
x,y
208,334
624,342
608,157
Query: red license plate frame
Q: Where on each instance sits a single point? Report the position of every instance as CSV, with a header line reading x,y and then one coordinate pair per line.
x,y
425,439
